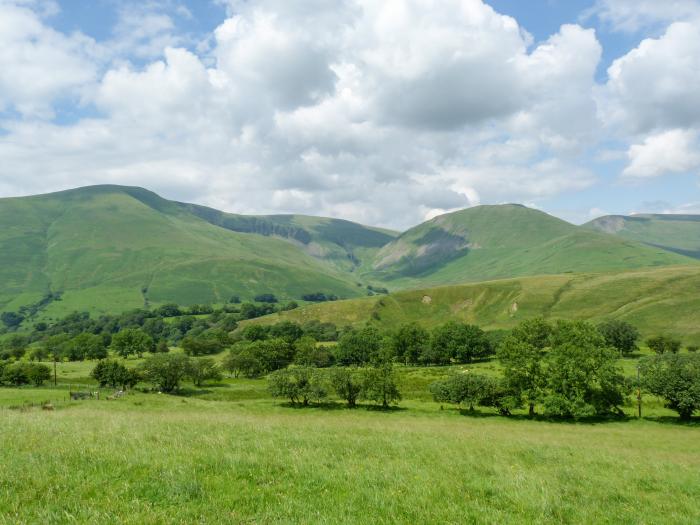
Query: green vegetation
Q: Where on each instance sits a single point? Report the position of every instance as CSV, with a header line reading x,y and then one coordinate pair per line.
x,y
655,301
490,242
108,249
674,232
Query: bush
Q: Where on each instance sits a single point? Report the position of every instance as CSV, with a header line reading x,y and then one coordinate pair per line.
x,y
469,388
298,384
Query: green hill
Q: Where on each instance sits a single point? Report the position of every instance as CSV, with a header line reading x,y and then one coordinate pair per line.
x,y
657,301
109,248
676,233
487,242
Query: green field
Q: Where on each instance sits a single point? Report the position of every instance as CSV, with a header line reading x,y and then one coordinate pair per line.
x,y
229,454
659,301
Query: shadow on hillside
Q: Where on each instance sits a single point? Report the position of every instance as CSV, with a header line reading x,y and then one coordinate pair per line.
x,y
330,406
595,420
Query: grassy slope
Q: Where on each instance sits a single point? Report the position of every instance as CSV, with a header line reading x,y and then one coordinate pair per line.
x,y
102,246
231,455
345,245
680,233
663,300
489,242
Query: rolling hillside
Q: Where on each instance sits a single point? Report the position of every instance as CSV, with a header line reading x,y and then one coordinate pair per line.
x,y
109,248
488,242
677,233
657,301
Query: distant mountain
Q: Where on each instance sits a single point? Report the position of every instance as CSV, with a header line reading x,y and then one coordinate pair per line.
x,y
487,242
111,248
677,233
108,248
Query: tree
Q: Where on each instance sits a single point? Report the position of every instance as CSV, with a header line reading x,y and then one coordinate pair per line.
x,y
522,355
347,384
265,298
286,330
272,354
380,386
16,374
166,371
410,342
463,387
131,341
115,374
357,347
87,346
241,360
620,335
15,346
255,332
203,369
583,378
662,344
298,384
309,353
201,345
37,373
162,347
459,342
676,379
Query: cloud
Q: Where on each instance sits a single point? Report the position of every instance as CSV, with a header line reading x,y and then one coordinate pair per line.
x,y
39,65
656,85
633,15
674,151
382,112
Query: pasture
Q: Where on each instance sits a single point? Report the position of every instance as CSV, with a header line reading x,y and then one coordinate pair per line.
x,y
227,453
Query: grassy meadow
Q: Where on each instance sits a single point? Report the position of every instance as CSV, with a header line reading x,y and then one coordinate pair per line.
x,y
228,453
657,301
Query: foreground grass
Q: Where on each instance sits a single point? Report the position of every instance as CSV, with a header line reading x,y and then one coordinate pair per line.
x,y
165,459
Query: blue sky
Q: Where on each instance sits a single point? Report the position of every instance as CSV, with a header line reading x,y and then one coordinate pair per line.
x,y
386,113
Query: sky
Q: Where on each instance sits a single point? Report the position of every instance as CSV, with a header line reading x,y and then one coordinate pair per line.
x,y
383,112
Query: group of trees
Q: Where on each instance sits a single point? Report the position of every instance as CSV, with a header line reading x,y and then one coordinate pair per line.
x,y
23,373
164,371
304,384
452,342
